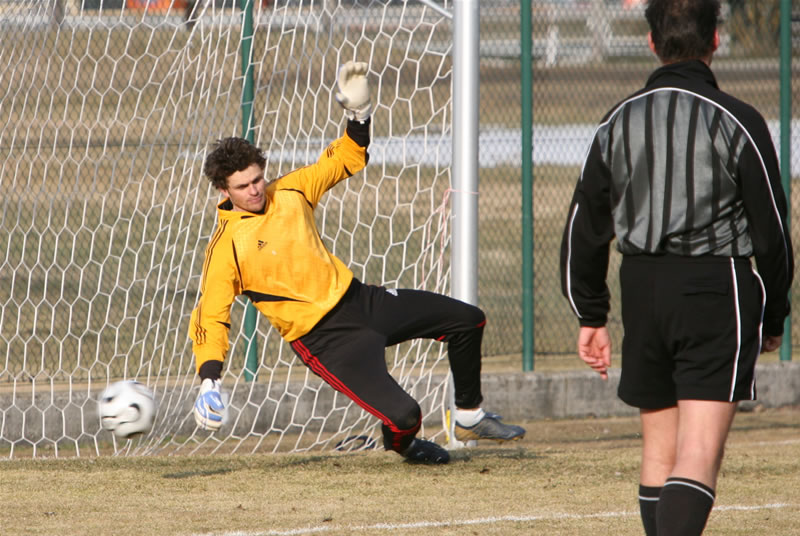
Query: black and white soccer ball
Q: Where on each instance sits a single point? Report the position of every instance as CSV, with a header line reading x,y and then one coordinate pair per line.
x,y
127,408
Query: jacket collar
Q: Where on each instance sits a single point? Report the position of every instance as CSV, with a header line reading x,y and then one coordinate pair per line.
x,y
225,211
691,70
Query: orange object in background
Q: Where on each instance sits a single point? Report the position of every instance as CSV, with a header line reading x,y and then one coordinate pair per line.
x,y
162,6
158,6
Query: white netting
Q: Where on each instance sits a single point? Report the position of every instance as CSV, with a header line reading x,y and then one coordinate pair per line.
x,y
107,112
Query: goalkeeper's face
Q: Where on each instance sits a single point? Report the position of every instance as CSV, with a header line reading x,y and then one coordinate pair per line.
x,y
246,190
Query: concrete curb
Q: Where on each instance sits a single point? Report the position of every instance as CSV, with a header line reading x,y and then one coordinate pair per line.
x,y
69,417
576,394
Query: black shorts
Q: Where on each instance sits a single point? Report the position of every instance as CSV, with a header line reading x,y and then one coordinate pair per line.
x,y
692,329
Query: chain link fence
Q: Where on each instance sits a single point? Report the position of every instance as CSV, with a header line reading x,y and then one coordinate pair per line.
x,y
108,107
587,55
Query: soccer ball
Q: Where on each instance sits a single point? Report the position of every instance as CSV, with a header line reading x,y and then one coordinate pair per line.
x,y
127,408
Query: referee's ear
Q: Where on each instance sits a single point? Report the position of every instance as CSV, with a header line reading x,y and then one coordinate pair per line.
x,y
714,47
650,43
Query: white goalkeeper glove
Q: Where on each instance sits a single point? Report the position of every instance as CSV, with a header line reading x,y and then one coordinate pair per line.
x,y
209,408
353,90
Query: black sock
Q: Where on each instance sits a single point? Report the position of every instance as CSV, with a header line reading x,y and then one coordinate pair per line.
x,y
648,502
683,507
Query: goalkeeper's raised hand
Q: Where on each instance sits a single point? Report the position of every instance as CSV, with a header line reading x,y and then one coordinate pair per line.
x,y
353,90
209,408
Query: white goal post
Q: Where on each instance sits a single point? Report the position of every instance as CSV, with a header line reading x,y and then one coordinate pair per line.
x,y
109,107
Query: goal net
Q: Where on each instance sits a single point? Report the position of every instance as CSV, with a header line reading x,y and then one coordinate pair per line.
x,y
108,110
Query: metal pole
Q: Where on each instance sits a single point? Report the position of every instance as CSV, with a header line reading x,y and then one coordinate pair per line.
x,y
786,141
526,78
250,313
247,69
464,251
464,169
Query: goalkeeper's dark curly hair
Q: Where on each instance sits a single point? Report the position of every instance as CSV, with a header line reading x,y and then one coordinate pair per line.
x,y
682,29
228,156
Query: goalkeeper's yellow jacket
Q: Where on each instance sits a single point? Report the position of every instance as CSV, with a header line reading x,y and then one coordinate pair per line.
x,y
277,258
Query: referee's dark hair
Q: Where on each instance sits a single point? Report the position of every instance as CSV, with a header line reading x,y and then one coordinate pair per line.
x,y
682,29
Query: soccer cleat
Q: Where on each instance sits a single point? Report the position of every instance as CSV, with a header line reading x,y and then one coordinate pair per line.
x,y
489,427
424,451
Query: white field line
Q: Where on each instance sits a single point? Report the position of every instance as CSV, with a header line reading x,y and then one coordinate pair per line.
x,y
471,522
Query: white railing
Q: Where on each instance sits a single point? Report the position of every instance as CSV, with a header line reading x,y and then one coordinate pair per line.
x,y
593,30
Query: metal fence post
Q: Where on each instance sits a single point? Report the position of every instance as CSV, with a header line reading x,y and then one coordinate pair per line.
x,y
786,141
251,359
526,119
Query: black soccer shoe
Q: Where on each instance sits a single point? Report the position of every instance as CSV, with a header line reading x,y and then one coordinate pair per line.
x,y
424,451
489,427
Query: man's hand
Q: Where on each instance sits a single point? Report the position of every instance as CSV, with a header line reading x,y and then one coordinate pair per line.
x,y
353,90
770,343
594,347
209,409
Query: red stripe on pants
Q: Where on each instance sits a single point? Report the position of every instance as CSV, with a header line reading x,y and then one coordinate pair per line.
x,y
319,369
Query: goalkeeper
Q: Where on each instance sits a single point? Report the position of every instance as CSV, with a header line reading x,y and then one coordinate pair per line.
x,y
267,247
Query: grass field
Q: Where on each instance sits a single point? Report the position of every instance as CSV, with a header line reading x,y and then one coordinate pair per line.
x,y
571,477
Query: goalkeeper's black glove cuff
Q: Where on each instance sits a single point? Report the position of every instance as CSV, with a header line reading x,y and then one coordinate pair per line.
x,y
359,131
210,370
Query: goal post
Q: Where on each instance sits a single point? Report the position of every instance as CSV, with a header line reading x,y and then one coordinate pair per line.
x,y
464,250
107,213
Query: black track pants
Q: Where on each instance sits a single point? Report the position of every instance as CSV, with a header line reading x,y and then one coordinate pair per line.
x,y
347,350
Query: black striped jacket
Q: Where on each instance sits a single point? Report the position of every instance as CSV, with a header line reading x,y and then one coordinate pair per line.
x,y
678,168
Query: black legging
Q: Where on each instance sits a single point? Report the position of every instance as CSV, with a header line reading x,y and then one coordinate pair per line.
x,y
347,350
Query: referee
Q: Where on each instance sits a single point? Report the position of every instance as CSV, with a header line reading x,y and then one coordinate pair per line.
x,y
685,177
